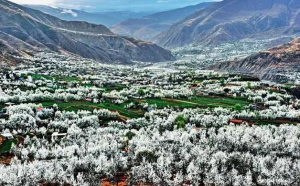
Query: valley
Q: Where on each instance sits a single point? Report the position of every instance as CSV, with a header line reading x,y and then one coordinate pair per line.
x,y
53,101
203,95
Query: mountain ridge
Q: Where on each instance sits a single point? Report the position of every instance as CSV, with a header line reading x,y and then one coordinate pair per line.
x,y
42,31
107,18
266,64
232,20
148,27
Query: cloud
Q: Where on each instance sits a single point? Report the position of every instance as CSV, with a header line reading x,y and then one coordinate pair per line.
x,y
39,2
98,5
164,1
68,11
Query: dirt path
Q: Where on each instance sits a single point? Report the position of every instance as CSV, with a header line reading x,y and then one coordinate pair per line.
x,y
1,140
169,99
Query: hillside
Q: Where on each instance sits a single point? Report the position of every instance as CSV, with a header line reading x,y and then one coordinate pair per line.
x,y
267,64
150,26
107,18
232,20
24,30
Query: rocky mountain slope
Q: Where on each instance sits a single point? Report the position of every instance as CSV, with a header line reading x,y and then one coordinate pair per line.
x,y
24,30
107,18
267,64
150,26
231,20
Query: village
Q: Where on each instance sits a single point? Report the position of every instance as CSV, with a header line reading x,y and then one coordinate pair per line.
x,y
119,125
202,56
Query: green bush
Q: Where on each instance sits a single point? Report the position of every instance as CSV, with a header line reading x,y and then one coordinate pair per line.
x,y
181,121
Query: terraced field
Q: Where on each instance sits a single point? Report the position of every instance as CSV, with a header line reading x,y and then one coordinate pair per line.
x,y
194,102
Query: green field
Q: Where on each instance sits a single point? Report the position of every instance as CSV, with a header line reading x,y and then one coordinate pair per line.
x,y
56,78
225,102
83,105
113,87
6,146
202,102
199,102
161,103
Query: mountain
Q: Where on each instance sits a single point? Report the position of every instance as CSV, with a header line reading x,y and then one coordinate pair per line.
x,y
24,31
232,20
107,18
150,26
268,64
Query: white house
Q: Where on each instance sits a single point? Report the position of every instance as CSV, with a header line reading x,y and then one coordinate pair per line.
x,y
57,135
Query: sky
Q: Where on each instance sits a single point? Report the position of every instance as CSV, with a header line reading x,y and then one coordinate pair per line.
x,y
100,5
